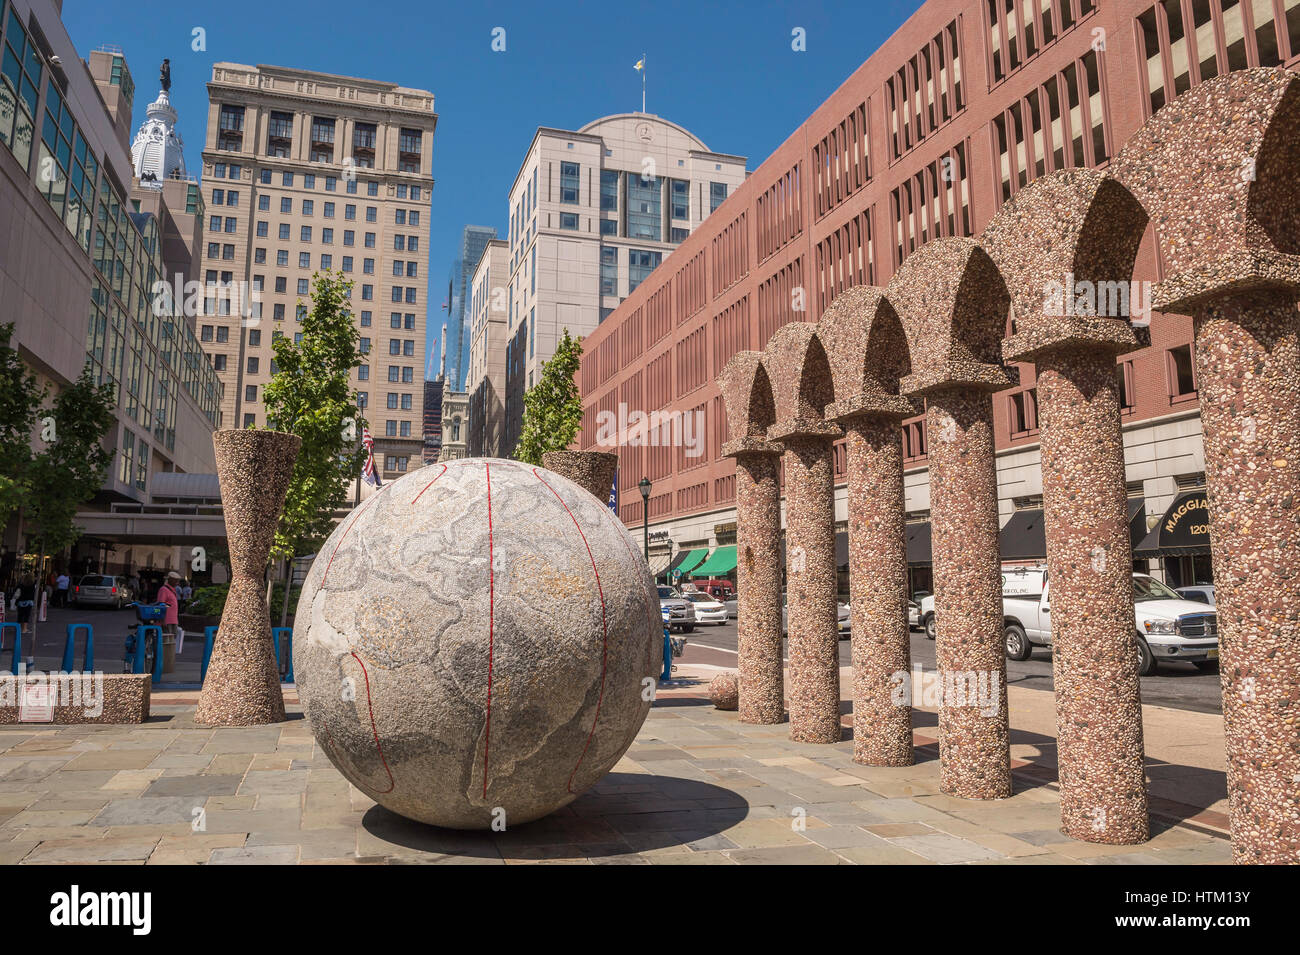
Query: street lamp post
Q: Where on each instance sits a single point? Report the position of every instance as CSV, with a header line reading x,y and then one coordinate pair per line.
x,y
644,485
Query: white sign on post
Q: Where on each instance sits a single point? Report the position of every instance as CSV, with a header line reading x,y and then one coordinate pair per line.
x,y
36,702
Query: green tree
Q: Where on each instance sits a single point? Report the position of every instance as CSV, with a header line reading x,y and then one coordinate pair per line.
x,y
311,395
20,396
70,467
552,408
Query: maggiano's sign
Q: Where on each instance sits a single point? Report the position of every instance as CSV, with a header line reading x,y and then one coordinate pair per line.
x,y
1187,522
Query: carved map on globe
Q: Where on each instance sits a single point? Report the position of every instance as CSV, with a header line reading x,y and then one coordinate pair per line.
x,y
479,637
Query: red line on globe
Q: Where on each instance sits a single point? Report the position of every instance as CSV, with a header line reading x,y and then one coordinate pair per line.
x,y
355,518
374,729
656,620
429,485
604,627
487,732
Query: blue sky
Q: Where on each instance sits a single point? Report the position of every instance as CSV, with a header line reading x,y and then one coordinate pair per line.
x,y
724,71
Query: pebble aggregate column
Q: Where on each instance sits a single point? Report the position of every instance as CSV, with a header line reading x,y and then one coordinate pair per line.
x,y
592,470
1248,362
810,585
882,726
1089,562
242,687
758,583
974,751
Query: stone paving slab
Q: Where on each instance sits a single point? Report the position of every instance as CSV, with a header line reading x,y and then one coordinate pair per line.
x,y
696,788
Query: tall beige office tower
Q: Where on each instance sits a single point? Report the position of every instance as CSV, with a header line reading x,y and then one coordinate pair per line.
x,y
303,172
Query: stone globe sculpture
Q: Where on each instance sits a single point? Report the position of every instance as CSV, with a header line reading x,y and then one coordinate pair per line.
x,y
477,641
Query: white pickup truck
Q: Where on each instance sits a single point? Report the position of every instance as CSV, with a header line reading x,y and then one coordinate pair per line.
x,y
1166,626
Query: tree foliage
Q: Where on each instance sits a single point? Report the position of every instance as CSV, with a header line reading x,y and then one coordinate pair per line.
x,y
552,408
70,467
310,395
20,397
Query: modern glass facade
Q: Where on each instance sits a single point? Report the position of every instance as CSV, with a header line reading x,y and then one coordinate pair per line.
x,y
136,341
472,243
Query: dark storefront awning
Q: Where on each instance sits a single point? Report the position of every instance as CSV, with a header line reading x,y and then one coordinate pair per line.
x,y
918,543
1022,538
841,550
1185,529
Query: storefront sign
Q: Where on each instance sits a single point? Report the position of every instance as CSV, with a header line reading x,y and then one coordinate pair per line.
x,y
1187,522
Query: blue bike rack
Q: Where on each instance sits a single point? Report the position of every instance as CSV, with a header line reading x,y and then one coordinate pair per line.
x,y
18,642
140,631
275,641
209,638
70,648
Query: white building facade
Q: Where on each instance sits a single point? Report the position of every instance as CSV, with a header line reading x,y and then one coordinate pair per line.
x,y
592,213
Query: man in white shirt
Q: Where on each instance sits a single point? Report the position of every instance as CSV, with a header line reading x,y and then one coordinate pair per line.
x,y
61,590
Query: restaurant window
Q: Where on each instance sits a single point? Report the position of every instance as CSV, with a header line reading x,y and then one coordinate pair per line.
x,y
1182,372
1124,374
914,440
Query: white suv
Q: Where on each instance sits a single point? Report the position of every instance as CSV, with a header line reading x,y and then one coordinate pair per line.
x,y
1166,626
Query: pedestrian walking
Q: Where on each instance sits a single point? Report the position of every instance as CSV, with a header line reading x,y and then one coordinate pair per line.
x,y
26,603
61,589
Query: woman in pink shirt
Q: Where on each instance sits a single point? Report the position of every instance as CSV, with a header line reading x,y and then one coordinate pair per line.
x,y
167,595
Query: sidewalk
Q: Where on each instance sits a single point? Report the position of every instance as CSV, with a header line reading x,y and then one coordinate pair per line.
x,y
697,787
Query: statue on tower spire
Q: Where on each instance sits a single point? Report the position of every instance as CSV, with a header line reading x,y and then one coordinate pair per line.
x,y
165,75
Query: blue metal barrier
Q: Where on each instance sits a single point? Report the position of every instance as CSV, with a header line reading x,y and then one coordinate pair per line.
x,y
140,633
18,642
209,638
70,648
275,641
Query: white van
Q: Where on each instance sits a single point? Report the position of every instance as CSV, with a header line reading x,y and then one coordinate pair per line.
x,y
1166,626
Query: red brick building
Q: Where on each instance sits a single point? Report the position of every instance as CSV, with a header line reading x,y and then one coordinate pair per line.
x,y
960,108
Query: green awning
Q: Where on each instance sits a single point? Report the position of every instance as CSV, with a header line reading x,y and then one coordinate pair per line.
x,y
721,561
691,561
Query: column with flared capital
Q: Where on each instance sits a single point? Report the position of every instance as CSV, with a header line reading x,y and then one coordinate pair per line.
x,y
1089,561
812,618
1248,367
974,742
882,711
758,579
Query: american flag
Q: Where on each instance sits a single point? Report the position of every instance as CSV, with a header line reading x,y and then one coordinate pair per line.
x,y
368,473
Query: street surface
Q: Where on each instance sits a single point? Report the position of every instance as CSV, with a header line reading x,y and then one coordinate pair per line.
x,y
1176,685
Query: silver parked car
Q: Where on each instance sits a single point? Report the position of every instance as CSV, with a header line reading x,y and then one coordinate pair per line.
x,y
681,612
843,624
99,590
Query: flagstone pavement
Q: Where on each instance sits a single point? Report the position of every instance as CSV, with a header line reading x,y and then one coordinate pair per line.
x,y
697,787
